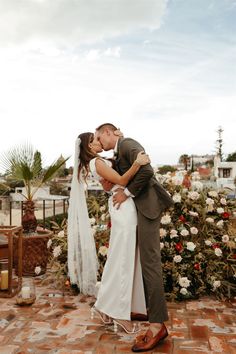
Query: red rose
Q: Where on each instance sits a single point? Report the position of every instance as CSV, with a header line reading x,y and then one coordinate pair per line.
x,y
215,245
225,215
109,224
182,218
178,247
196,266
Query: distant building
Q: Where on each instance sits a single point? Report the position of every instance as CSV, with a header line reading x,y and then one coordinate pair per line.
x,y
225,173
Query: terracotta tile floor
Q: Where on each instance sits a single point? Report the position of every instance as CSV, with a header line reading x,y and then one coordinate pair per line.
x,y
61,324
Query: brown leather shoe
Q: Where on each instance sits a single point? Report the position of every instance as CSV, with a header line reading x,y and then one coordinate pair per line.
x,y
149,341
138,317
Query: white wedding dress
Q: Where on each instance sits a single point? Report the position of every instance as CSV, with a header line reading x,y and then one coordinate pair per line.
x,y
121,291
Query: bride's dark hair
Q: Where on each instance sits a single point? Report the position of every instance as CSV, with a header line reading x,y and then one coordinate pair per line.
x,y
85,153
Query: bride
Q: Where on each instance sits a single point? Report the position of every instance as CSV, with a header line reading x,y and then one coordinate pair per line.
x,y
121,291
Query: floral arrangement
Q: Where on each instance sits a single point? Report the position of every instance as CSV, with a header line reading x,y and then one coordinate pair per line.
x,y
198,245
198,242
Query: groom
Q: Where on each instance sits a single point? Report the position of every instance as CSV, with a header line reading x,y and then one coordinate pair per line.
x,y
151,200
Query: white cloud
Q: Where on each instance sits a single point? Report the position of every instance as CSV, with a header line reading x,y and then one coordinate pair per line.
x,y
69,22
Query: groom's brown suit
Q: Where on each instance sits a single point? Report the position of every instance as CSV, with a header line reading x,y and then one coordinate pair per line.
x,y
150,199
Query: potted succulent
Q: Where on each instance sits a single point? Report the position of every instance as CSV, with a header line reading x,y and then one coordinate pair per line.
x,y
23,164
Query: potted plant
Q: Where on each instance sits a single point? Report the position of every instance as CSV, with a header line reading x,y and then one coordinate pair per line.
x,y
23,164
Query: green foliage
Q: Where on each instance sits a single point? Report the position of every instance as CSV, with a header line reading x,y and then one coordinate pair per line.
x,y
23,164
166,168
231,157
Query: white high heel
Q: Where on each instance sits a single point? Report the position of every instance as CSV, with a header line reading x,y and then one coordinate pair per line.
x,y
95,311
135,328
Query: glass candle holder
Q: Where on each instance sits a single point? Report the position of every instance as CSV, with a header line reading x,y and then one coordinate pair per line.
x,y
26,295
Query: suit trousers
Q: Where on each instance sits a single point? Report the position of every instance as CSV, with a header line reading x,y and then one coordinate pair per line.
x,y
150,255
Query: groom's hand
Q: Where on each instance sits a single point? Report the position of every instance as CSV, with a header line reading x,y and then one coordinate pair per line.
x,y
106,185
119,197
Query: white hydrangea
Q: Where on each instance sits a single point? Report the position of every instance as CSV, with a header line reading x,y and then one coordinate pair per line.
x,y
218,252
56,251
184,282
216,284
194,230
210,220
208,242
191,246
213,194
193,195
183,291
176,198
162,232
103,250
225,238
177,259
166,219
184,232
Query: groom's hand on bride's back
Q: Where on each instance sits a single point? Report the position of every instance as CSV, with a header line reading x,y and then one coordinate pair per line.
x,y
119,197
106,185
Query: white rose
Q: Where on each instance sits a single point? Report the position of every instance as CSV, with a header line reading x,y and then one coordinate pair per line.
x,y
213,194
209,201
49,243
183,291
161,245
193,195
218,252
37,270
216,284
220,224
210,220
173,233
223,201
208,242
177,259
193,213
176,198
103,250
61,234
194,230
225,238
57,251
162,232
166,219
191,246
102,208
184,232
92,221
220,210
184,282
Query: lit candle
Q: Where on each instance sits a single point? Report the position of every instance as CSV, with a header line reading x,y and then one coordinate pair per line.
x,y
25,292
4,279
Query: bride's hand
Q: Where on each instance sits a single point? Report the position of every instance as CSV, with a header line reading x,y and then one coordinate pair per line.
x,y
142,159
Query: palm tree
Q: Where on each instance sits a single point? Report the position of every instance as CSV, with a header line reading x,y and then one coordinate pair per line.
x,y
184,159
23,164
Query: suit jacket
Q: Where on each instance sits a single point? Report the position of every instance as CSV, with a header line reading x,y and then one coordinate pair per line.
x,y
150,198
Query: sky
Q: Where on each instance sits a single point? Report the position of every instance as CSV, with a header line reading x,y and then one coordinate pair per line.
x,y
163,71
